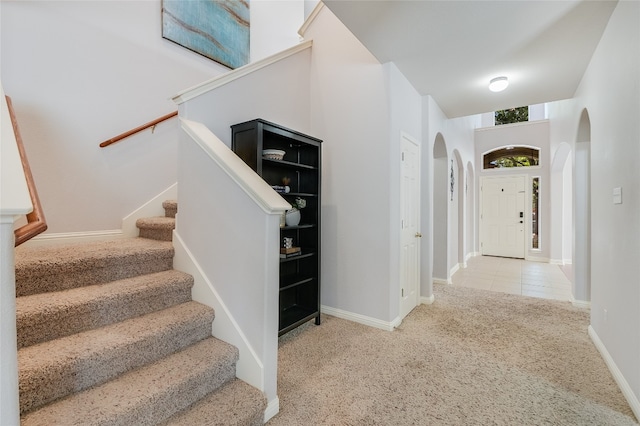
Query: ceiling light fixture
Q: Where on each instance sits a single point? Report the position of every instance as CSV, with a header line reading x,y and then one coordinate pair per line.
x,y
498,84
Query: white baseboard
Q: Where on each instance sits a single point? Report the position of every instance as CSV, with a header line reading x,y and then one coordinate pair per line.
x,y
361,319
455,269
74,237
560,262
536,259
151,208
624,386
441,281
273,408
580,303
428,300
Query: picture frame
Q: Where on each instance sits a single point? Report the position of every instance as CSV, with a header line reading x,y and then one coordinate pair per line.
x,y
218,30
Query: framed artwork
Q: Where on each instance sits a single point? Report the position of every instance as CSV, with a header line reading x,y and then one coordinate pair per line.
x,y
216,29
452,181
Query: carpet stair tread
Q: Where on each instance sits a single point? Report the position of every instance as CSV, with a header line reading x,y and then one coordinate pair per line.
x,y
157,222
233,404
60,267
148,395
157,228
170,208
54,369
47,316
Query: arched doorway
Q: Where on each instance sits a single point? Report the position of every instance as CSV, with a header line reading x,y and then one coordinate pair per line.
x,y
582,212
440,210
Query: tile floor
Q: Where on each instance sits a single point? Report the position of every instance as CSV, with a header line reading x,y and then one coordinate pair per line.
x,y
515,276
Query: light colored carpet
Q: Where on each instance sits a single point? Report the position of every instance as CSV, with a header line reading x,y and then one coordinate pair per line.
x,y
473,357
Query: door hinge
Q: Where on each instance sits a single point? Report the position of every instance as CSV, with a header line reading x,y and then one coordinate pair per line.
x,y
403,156
402,292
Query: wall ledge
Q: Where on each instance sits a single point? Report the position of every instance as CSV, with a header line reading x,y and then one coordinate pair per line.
x,y
214,83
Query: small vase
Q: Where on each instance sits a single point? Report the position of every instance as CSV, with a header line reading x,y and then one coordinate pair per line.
x,y
292,217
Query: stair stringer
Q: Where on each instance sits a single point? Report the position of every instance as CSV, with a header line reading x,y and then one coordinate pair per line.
x,y
249,368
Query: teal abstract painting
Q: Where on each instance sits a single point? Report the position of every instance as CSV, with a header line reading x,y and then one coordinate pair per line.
x,y
217,29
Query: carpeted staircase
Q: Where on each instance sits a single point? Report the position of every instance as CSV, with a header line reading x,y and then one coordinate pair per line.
x,y
108,335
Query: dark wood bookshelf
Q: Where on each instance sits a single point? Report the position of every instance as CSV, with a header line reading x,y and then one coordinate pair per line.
x,y
299,299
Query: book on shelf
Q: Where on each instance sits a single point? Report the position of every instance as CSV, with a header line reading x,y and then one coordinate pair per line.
x,y
290,252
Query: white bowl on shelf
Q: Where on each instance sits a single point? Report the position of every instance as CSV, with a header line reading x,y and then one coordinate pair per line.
x,y
273,154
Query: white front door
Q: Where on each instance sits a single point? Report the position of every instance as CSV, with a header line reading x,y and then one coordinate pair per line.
x,y
502,216
410,226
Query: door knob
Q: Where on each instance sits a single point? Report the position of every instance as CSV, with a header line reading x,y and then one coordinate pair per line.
x,y
418,235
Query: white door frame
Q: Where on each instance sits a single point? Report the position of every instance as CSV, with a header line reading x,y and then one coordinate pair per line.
x,y
527,210
412,299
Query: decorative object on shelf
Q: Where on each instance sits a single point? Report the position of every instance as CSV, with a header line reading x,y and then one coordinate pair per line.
x,y
286,181
287,242
300,203
273,154
281,189
292,217
452,180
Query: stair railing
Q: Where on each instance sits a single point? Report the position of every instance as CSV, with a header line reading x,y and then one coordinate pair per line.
x,y
138,129
36,222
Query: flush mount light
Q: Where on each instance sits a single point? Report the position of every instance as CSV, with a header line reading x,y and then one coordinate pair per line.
x,y
498,84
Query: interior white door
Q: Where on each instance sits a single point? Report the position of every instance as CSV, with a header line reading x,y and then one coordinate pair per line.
x,y
503,217
410,226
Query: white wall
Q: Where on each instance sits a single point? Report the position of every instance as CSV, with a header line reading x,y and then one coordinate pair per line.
x,y
82,72
274,26
613,105
266,94
350,112
536,134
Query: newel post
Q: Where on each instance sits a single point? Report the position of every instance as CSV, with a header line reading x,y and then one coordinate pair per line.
x,y
9,398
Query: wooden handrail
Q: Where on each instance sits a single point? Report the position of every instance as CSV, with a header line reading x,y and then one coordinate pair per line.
x,y
138,129
36,223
